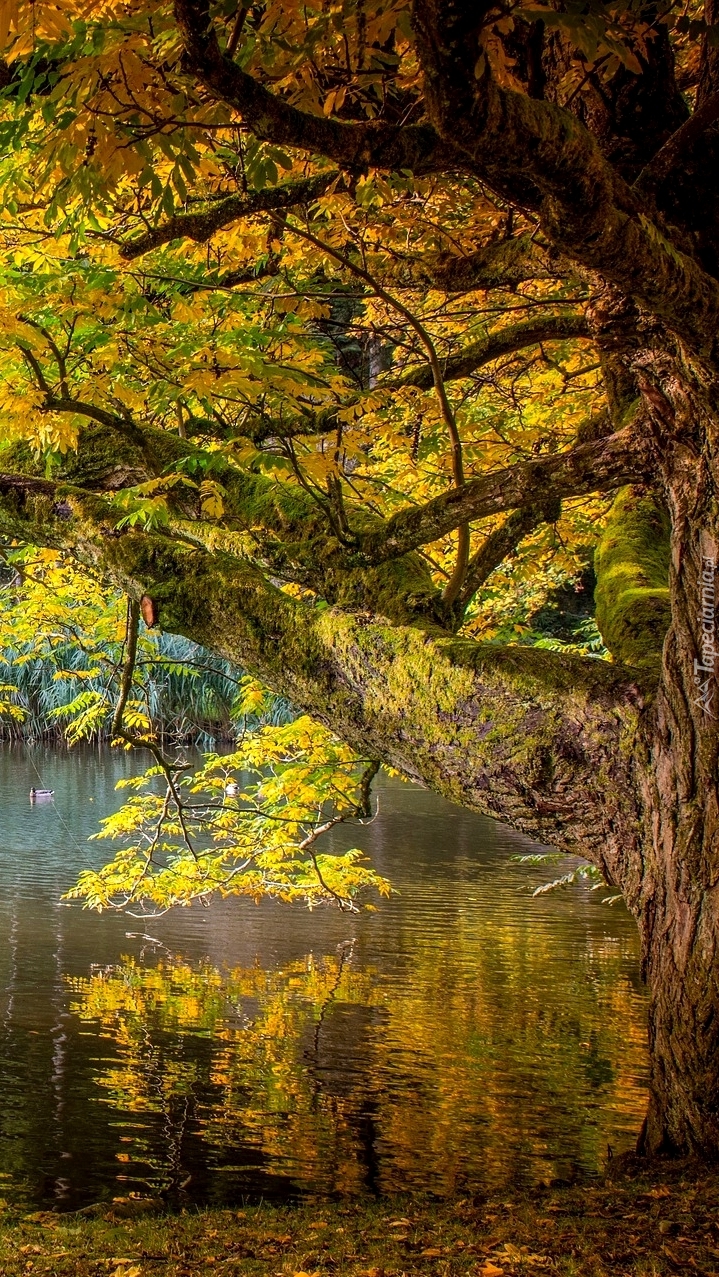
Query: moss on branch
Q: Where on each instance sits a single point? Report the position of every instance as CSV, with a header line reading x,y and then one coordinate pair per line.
x,y
525,736
529,737
632,566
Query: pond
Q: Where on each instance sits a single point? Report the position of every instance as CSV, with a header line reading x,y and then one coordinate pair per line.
x,y
463,1036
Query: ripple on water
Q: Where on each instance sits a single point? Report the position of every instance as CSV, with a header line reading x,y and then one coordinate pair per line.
x,y
465,1035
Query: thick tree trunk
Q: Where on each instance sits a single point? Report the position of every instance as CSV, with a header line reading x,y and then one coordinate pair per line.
x,y
678,916
676,896
681,939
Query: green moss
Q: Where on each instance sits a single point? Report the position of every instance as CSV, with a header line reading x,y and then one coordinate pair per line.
x,y
450,710
533,671
632,566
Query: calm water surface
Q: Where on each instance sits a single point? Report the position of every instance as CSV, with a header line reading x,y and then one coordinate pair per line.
x,y
463,1036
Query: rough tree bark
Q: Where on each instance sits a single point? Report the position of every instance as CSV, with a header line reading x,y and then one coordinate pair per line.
x,y
677,902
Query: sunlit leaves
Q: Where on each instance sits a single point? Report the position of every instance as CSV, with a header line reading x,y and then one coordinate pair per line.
x,y
247,823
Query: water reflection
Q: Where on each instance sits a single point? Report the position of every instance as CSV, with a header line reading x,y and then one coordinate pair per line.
x,y
462,1036
322,1074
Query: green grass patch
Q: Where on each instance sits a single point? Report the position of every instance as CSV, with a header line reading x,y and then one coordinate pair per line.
x,y
652,1223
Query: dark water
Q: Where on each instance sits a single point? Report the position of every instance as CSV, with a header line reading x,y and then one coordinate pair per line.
x,y
463,1036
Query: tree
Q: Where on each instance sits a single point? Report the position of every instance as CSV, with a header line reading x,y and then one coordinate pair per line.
x,y
309,419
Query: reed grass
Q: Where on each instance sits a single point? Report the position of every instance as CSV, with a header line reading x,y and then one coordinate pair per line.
x,y
190,694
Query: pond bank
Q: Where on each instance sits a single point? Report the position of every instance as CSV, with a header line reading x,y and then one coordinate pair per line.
x,y
641,1223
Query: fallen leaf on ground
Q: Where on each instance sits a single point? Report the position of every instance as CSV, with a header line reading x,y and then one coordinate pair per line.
x,y
519,1254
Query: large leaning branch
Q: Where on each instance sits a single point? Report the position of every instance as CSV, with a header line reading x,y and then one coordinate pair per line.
x,y
547,771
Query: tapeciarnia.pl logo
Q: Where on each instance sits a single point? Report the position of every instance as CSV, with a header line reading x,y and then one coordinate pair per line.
x,y
704,668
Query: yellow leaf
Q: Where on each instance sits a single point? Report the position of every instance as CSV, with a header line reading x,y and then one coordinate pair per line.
x,y
491,1270
8,18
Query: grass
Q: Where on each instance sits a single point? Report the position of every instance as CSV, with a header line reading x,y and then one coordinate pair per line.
x,y
665,1221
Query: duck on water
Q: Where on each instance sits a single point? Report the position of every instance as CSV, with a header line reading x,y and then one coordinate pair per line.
x,y
41,793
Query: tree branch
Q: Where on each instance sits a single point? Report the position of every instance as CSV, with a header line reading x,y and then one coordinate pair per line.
x,y
500,544
202,226
221,283
505,341
355,147
297,544
675,149
56,403
504,264
128,669
598,466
